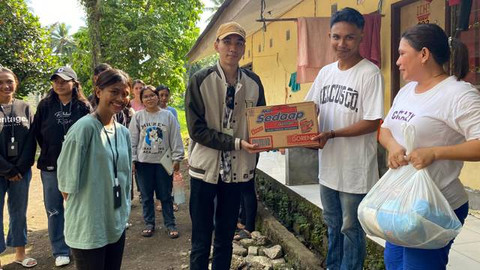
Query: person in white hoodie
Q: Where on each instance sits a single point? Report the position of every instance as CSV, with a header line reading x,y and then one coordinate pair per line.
x,y
157,150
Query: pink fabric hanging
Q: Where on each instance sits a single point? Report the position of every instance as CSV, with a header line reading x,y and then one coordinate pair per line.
x,y
313,47
314,50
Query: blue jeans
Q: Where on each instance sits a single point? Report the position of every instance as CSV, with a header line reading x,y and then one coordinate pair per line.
x,y
153,178
403,258
248,205
202,208
17,209
53,200
346,239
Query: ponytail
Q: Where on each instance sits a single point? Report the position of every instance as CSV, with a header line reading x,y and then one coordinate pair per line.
x,y
460,66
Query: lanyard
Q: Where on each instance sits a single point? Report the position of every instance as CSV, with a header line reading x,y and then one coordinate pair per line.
x,y
11,121
63,116
115,157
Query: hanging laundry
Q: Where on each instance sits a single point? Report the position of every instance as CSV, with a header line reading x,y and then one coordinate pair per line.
x,y
294,86
370,46
313,50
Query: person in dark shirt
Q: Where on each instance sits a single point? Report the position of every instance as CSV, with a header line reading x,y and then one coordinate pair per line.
x,y
56,113
17,153
96,72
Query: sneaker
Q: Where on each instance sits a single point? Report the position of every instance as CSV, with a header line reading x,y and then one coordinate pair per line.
x,y
62,260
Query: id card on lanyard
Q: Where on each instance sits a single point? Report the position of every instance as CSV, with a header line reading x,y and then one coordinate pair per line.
x,y
12,145
117,190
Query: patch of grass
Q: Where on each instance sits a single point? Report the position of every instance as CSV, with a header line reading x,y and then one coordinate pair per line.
x,y
183,122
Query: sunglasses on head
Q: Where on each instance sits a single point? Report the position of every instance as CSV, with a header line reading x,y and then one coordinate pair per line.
x,y
230,97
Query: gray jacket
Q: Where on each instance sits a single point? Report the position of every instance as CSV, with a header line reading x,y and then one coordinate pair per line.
x,y
204,107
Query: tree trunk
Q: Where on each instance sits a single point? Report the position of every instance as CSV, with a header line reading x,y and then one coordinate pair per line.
x,y
93,16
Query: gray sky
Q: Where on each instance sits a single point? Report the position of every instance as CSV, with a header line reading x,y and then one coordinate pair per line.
x,y
71,13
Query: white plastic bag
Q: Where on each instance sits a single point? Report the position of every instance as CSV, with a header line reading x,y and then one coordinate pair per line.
x,y
178,188
406,208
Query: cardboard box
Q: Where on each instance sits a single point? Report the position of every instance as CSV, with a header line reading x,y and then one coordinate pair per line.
x,y
283,126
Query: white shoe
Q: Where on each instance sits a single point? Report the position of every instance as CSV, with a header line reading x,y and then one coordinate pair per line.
x,y
62,260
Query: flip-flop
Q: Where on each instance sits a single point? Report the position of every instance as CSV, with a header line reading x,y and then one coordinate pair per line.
x,y
242,234
148,231
27,262
173,233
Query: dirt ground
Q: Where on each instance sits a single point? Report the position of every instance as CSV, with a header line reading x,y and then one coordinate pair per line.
x,y
158,252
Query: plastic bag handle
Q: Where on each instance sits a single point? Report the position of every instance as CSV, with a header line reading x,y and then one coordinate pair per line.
x,y
409,135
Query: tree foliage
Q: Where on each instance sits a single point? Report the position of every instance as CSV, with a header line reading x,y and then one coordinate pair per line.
x,y
147,38
82,59
62,42
25,47
213,8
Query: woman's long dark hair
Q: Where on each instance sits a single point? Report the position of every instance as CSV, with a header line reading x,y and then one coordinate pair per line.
x,y
77,93
432,37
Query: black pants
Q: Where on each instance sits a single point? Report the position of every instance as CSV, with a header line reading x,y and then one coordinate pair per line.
x,y
108,257
248,205
201,212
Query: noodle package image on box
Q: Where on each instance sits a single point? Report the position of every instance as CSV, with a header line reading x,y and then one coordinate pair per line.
x,y
283,126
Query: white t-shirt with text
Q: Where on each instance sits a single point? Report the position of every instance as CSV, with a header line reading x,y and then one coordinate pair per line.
x,y
447,114
343,98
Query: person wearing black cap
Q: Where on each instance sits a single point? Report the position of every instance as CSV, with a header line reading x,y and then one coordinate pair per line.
x,y
56,113
222,160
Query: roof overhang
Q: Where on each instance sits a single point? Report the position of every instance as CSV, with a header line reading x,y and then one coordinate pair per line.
x,y
245,12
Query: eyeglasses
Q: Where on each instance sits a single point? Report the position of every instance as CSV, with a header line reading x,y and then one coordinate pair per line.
x,y
145,97
230,100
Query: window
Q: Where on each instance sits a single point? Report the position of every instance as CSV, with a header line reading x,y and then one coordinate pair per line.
x,y
287,34
271,42
471,38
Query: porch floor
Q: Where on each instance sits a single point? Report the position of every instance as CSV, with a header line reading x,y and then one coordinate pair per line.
x,y
465,252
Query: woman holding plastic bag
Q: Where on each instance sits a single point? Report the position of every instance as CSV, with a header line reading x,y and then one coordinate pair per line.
x,y
445,112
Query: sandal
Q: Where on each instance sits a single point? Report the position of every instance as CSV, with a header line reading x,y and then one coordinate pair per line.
x,y
27,262
148,231
173,233
242,234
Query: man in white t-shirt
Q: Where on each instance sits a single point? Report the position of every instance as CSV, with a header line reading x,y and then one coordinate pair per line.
x,y
349,98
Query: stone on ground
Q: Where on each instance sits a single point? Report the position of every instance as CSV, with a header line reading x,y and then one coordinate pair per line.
x,y
274,252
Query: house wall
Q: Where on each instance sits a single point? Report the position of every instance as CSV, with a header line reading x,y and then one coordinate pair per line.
x,y
275,62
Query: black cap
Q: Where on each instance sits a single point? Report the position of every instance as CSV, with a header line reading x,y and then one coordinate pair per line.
x,y
65,73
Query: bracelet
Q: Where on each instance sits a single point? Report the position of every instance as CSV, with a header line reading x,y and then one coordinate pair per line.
x,y
332,134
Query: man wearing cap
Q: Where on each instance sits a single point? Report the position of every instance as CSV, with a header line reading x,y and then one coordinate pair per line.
x,y
221,159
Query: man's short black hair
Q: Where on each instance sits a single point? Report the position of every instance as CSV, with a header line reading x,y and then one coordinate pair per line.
x,y
348,15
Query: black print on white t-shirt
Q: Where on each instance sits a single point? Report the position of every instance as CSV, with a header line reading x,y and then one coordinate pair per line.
x,y
402,115
341,95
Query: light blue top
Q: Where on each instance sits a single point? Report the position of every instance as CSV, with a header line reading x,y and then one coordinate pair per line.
x,y
85,171
173,111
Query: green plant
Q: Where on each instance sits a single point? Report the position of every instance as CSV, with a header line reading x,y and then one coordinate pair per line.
x,y
305,219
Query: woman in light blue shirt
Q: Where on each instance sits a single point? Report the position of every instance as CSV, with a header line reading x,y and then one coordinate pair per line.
x,y
94,176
